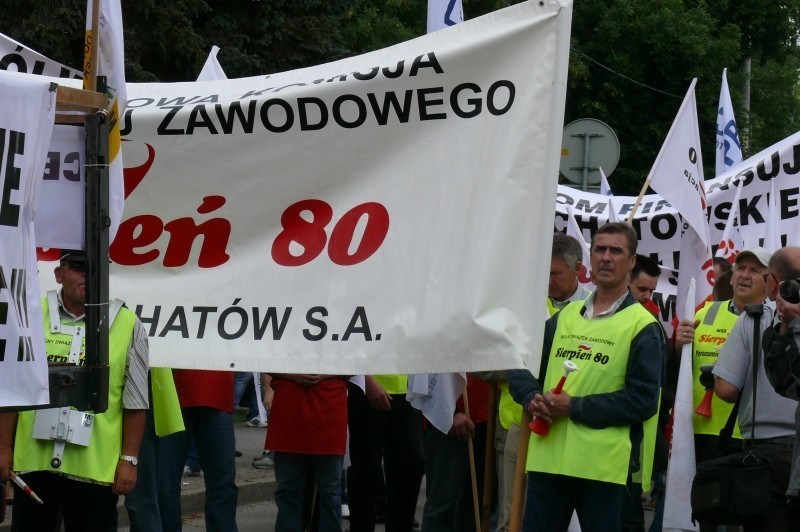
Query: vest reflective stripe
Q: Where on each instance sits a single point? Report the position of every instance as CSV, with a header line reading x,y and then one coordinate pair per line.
x,y
393,384
600,348
98,460
716,322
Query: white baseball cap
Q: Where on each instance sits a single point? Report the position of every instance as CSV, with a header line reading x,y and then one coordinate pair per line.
x,y
759,253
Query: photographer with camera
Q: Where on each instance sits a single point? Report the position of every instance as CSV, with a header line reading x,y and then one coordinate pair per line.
x,y
774,427
781,341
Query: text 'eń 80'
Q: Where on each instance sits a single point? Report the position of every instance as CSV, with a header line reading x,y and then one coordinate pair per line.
x,y
311,235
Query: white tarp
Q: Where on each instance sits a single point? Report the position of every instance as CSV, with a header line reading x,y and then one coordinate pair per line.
x,y
26,123
380,214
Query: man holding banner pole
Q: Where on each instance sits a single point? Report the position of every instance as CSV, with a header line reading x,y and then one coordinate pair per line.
x,y
602,425
566,263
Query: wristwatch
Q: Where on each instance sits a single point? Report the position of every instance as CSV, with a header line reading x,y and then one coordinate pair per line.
x,y
128,458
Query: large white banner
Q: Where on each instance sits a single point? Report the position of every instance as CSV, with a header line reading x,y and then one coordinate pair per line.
x,y
380,214
26,122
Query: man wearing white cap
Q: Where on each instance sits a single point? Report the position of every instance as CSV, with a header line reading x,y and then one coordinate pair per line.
x,y
710,330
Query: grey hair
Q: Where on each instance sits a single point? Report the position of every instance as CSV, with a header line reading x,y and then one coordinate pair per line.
x,y
568,249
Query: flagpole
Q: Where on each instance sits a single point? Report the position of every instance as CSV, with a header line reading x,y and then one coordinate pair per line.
x,y
472,469
94,46
518,494
638,200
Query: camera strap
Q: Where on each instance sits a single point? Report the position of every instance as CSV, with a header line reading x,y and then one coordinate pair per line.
x,y
726,434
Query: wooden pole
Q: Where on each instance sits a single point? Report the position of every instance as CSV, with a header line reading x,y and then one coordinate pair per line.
x,y
472,471
638,200
488,465
94,48
518,495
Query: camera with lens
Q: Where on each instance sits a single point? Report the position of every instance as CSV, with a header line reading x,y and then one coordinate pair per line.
x,y
790,290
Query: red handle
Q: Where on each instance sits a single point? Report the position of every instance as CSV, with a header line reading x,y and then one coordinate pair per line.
x,y
538,426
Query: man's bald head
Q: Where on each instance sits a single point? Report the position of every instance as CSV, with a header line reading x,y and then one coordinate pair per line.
x,y
783,265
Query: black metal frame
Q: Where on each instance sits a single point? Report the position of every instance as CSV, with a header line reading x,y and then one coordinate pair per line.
x,y
86,387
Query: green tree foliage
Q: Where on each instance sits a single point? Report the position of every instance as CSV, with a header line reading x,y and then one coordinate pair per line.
x,y
626,54
54,28
632,63
630,66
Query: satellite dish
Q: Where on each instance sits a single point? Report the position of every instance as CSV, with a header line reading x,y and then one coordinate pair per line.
x,y
586,146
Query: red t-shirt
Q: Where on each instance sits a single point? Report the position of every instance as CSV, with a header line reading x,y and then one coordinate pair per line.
x,y
308,420
478,394
204,388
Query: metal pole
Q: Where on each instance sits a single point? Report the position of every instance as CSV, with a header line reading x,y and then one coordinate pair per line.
x,y
744,136
587,139
97,223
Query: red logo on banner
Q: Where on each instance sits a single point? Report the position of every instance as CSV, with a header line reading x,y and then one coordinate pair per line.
x,y
135,174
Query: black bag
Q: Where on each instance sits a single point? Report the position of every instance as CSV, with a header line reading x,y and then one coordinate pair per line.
x,y
733,489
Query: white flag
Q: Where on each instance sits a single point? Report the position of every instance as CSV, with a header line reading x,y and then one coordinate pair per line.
x,y
212,70
681,469
574,230
443,13
605,188
731,242
772,235
612,212
695,262
436,396
26,123
729,151
111,64
677,174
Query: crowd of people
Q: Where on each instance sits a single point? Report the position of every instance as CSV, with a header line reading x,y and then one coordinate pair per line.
x,y
603,393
